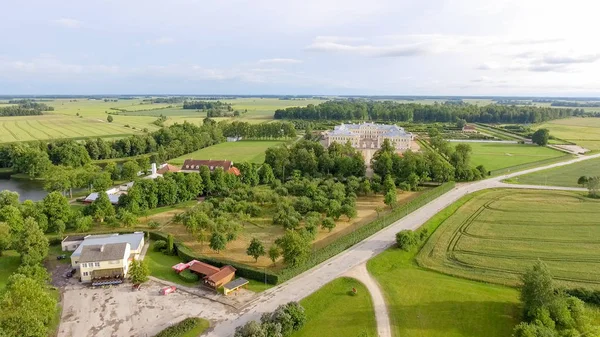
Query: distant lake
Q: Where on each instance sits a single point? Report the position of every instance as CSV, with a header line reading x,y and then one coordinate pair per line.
x,y
27,189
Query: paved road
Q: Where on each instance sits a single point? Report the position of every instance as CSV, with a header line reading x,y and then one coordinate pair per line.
x,y
313,279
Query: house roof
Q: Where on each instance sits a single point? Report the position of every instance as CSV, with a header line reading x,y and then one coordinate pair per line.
x,y
234,170
134,240
221,274
168,168
71,238
106,252
203,268
114,198
194,164
238,282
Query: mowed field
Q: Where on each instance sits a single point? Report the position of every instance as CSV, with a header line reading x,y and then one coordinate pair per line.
x,y
495,156
561,176
498,234
424,303
581,131
246,150
26,128
332,311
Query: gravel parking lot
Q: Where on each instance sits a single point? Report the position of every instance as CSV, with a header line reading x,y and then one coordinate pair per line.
x,y
120,311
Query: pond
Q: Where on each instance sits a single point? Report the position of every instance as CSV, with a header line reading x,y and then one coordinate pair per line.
x,y
27,189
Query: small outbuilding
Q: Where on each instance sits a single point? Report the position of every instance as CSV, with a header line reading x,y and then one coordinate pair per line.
x,y
213,277
234,285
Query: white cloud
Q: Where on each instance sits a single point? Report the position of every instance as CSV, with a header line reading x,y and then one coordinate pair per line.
x,y
68,23
280,61
161,41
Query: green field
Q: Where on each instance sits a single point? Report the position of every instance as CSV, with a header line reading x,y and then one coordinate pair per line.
x,y
498,234
9,262
495,156
425,303
246,150
332,311
584,132
561,176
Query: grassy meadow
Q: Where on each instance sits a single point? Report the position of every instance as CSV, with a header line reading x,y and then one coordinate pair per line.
x,y
426,303
9,262
332,311
584,132
245,150
497,234
496,156
561,176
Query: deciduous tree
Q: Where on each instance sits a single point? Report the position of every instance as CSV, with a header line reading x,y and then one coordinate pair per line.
x,y
255,249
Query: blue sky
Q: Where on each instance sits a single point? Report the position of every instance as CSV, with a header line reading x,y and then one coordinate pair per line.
x,y
378,47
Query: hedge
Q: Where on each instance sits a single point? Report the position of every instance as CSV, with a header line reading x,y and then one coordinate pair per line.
x,y
336,247
587,295
179,329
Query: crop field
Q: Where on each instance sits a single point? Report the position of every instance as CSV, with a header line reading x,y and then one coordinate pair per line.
x,y
498,234
561,176
495,156
332,311
581,131
84,118
245,150
425,303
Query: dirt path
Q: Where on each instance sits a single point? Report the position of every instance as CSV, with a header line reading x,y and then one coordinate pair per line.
x,y
381,311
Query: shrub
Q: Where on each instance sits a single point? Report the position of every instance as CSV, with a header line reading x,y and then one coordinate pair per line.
x,y
180,328
406,239
153,224
159,245
188,276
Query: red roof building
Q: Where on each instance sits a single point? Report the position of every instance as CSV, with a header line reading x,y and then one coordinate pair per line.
x,y
168,168
194,164
213,277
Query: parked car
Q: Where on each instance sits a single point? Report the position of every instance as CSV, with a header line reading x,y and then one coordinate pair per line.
x,y
61,257
167,290
70,273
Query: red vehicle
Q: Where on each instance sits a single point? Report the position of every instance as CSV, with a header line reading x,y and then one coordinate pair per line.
x,y
167,290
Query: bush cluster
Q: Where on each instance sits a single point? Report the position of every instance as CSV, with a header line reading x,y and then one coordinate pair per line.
x,y
179,329
284,321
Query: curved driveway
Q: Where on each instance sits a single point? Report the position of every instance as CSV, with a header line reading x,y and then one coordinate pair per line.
x,y
313,279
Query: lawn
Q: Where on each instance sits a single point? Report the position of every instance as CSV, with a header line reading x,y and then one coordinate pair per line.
x,y
561,176
496,156
246,150
197,331
333,311
429,304
160,266
9,262
497,234
584,132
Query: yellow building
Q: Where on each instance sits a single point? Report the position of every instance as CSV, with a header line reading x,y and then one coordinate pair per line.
x,y
104,264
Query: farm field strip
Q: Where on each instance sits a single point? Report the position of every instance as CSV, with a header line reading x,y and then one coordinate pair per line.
x,y
245,150
581,131
561,176
500,233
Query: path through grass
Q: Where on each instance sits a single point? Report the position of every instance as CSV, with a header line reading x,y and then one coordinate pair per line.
x,y
332,311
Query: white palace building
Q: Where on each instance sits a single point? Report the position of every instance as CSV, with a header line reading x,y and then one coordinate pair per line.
x,y
369,136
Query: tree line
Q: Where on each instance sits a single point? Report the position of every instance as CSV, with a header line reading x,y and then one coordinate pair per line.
x,y
270,130
344,110
207,105
25,108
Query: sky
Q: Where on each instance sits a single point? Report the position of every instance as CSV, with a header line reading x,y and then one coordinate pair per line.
x,y
322,47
